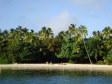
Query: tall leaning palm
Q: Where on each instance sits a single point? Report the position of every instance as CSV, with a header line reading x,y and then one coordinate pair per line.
x,y
83,33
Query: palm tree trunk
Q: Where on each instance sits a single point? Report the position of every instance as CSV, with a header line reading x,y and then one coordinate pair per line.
x,y
87,52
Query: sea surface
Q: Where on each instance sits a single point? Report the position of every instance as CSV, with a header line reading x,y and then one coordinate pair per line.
x,y
54,77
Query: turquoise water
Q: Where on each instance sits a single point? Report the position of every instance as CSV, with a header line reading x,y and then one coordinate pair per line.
x,y
49,77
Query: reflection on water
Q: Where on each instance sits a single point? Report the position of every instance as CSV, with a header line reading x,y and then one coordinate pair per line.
x,y
53,77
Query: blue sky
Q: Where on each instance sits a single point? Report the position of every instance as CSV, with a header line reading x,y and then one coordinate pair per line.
x,y
58,14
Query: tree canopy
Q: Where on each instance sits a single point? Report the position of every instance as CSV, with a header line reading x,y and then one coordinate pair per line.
x,y
20,45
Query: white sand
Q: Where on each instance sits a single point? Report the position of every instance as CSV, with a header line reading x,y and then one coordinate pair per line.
x,y
59,67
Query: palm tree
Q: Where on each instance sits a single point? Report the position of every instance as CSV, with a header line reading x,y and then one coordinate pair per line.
x,y
83,33
106,32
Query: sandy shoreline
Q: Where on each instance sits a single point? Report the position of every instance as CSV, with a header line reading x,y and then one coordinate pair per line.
x,y
58,67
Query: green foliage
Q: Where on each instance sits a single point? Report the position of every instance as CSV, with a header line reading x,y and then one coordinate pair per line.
x,y
108,59
21,45
3,60
100,62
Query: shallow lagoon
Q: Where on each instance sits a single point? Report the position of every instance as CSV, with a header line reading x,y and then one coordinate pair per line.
x,y
54,77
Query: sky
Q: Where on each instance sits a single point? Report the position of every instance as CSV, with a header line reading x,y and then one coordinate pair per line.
x,y
57,14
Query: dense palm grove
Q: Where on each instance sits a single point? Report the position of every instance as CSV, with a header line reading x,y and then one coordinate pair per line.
x,y
19,45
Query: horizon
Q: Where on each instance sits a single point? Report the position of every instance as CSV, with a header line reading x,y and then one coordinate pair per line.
x,y
57,14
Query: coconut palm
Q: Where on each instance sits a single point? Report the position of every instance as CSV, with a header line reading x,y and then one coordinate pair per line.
x,y
83,33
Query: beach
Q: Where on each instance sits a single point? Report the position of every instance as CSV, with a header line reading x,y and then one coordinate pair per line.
x,y
57,67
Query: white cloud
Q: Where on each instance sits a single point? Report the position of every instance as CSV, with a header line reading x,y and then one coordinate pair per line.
x,y
61,21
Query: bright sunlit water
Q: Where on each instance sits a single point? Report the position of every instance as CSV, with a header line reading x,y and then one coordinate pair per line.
x,y
50,77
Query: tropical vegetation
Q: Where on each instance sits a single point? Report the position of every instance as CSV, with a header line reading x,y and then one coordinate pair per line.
x,y
20,45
